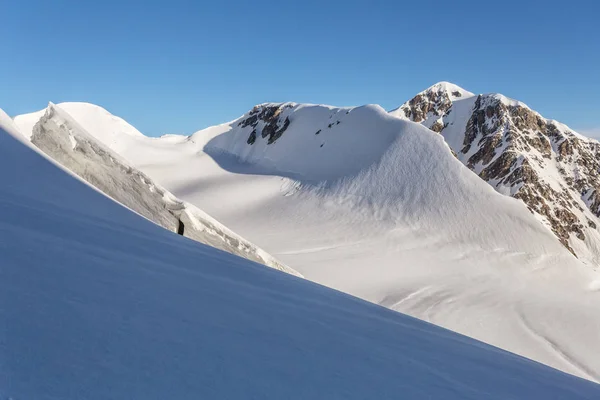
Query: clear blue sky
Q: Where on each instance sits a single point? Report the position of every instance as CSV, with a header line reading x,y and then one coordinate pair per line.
x,y
178,66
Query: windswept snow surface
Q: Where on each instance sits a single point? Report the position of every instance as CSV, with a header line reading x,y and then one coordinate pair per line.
x,y
96,302
377,207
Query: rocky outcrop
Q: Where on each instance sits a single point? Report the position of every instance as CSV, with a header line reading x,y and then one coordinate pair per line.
x,y
435,102
541,162
268,119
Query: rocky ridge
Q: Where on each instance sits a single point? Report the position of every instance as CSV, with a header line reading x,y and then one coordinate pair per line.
x,y
541,162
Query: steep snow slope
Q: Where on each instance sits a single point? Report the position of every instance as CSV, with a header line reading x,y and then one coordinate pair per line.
x,y
544,163
109,126
379,207
97,303
63,139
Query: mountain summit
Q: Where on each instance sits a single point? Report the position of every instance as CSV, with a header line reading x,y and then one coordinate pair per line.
x,y
543,163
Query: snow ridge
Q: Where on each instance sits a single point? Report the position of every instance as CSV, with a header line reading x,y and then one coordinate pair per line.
x,y
67,142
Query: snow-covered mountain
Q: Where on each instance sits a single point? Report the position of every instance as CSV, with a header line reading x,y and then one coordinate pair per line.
x,y
97,302
551,168
56,133
379,207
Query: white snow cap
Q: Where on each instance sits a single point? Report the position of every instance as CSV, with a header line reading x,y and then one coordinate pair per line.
x,y
449,88
103,125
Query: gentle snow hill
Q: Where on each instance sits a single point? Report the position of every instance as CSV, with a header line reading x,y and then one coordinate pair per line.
x,y
97,302
552,169
378,207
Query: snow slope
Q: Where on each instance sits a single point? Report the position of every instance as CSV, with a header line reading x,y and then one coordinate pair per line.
x,y
67,142
99,303
377,207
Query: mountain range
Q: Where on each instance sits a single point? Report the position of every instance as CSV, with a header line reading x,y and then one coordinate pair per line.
x,y
472,212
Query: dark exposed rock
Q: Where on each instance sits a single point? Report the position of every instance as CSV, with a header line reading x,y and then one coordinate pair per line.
x,y
252,118
435,102
273,131
594,200
523,118
500,167
252,137
270,115
487,151
481,123
565,148
437,127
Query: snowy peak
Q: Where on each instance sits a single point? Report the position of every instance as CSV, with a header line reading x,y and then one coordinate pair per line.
x,y
506,100
453,91
101,124
307,142
552,169
431,104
